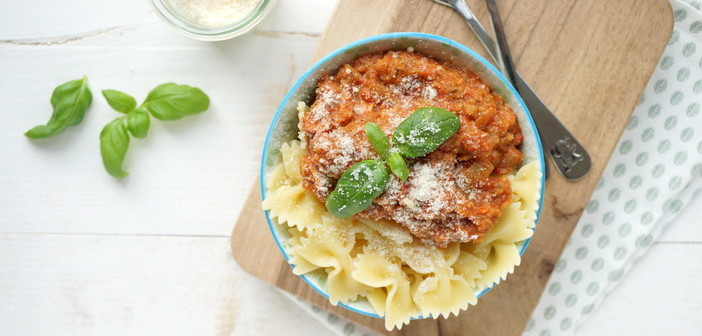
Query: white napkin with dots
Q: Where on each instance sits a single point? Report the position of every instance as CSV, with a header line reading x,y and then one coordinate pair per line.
x,y
652,175
654,172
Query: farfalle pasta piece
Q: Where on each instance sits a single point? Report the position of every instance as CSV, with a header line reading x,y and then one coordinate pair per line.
x,y
451,253
501,262
419,257
389,230
302,108
512,227
328,246
277,178
377,297
443,294
469,267
335,229
301,264
292,153
294,206
422,258
383,263
526,184
379,272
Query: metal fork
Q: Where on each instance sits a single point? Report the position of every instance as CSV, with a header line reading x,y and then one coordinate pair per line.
x,y
569,156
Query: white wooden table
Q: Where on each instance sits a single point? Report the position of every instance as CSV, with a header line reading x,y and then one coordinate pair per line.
x,y
82,253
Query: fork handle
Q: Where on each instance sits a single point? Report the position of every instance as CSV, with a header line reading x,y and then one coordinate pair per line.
x,y
464,11
569,156
503,54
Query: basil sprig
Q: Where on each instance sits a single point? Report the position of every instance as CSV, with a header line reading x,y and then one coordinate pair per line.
x,y
418,135
398,166
114,142
171,101
119,101
357,188
424,131
70,101
377,138
167,101
138,122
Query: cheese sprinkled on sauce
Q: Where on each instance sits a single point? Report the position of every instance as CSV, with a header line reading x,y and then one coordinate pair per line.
x,y
447,197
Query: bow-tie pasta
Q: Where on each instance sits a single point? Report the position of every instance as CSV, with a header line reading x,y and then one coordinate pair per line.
x,y
378,261
429,244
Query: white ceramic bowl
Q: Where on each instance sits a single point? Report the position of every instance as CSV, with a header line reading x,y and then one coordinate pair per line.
x,y
283,128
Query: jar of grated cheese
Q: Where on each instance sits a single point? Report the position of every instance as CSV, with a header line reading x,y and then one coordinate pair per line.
x,y
212,20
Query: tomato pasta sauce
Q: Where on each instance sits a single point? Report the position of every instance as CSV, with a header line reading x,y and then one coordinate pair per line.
x,y
454,194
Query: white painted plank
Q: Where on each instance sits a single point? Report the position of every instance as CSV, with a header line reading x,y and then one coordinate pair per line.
x,y
57,20
660,296
86,285
187,177
116,285
52,18
151,36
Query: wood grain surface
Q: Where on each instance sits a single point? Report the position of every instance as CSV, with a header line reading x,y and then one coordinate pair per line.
x,y
588,60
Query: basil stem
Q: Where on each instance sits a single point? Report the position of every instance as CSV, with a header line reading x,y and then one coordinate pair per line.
x,y
138,122
424,131
378,139
171,101
114,142
70,101
398,166
357,188
119,101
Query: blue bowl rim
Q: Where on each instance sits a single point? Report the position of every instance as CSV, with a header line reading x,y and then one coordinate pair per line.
x,y
375,38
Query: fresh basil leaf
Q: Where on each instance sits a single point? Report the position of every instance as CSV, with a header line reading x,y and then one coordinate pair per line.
x,y
357,188
138,122
378,139
424,131
119,101
70,101
114,142
398,166
171,101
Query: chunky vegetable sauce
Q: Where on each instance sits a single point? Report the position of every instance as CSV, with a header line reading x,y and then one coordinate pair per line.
x,y
455,193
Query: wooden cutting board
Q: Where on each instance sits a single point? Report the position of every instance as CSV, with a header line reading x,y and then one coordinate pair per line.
x,y
588,60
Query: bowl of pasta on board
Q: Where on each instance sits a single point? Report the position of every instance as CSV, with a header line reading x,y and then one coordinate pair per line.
x,y
402,177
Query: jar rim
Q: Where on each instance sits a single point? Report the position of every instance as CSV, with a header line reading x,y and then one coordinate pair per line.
x,y
212,33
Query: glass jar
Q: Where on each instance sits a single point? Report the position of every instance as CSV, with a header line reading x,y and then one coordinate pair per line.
x,y
208,33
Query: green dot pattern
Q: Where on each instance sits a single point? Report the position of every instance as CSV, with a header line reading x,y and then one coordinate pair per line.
x,y
349,329
332,319
598,264
651,174
654,111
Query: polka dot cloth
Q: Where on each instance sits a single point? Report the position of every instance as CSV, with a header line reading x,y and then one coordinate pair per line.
x,y
655,170
338,325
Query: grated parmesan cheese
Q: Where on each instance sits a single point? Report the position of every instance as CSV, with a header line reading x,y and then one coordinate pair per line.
x,y
214,13
435,204
425,185
326,98
429,92
342,149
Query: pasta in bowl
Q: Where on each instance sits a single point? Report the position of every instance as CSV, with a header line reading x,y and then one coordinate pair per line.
x,y
402,177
